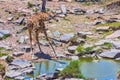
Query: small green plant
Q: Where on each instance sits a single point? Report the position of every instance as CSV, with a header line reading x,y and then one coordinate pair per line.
x,y
107,45
3,54
29,4
72,69
6,36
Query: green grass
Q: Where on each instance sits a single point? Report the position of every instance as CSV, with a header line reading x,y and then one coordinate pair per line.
x,y
3,54
114,25
5,36
107,45
72,70
29,4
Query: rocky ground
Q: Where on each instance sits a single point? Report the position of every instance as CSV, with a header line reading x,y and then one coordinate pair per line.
x,y
96,27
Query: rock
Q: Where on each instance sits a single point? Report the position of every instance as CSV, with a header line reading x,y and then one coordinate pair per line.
x,y
27,70
22,39
21,30
79,40
19,78
2,21
101,10
63,8
72,49
13,73
1,36
26,48
59,69
96,22
5,32
56,33
58,11
44,42
61,15
116,34
78,11
51,75
103,28
13,67
66,37
17,54
116,44
21,63
82,34
19,21
59,55
73,79
74,57
111,54
90,11
10,18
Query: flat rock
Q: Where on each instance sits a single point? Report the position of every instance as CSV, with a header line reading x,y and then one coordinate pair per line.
x,y
74,57
20,20
116,34
106,28
17,54
19,78
66,37
96,22
26,48
21,63
113,53
27,70
22,39
116,44
13,73
84,34
5,32
72,49
1,35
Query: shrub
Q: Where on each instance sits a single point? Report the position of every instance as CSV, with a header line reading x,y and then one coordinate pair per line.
x,y
72,70
29,4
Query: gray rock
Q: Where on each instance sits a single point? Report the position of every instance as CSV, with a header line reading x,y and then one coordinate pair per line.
x,y
51,75
116,44
17,54
21,63
101,11
90,11
56,33
58,11
96,22
111,54
72,49
26,48
59,55
66,37
13,67
1,36
19,21
19,78
63,8
22,39
103,28
5,32
82,34
27,70
13,73
116,34
73,79
44,42
74,57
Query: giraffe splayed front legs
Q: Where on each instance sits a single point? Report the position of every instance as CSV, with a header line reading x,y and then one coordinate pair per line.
x,y
36,25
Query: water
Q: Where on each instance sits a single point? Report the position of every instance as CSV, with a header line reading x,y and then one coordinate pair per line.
x,y
49,66
91,69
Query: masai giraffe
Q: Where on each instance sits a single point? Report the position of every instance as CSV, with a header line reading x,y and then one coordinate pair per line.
x,y
36,25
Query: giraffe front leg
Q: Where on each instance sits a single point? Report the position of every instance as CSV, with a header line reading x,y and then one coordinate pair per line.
x,y
37,40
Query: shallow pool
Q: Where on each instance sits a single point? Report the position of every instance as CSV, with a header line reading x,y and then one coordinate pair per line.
x,y
91,69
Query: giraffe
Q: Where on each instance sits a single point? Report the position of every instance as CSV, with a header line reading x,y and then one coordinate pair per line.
x,y
36,25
